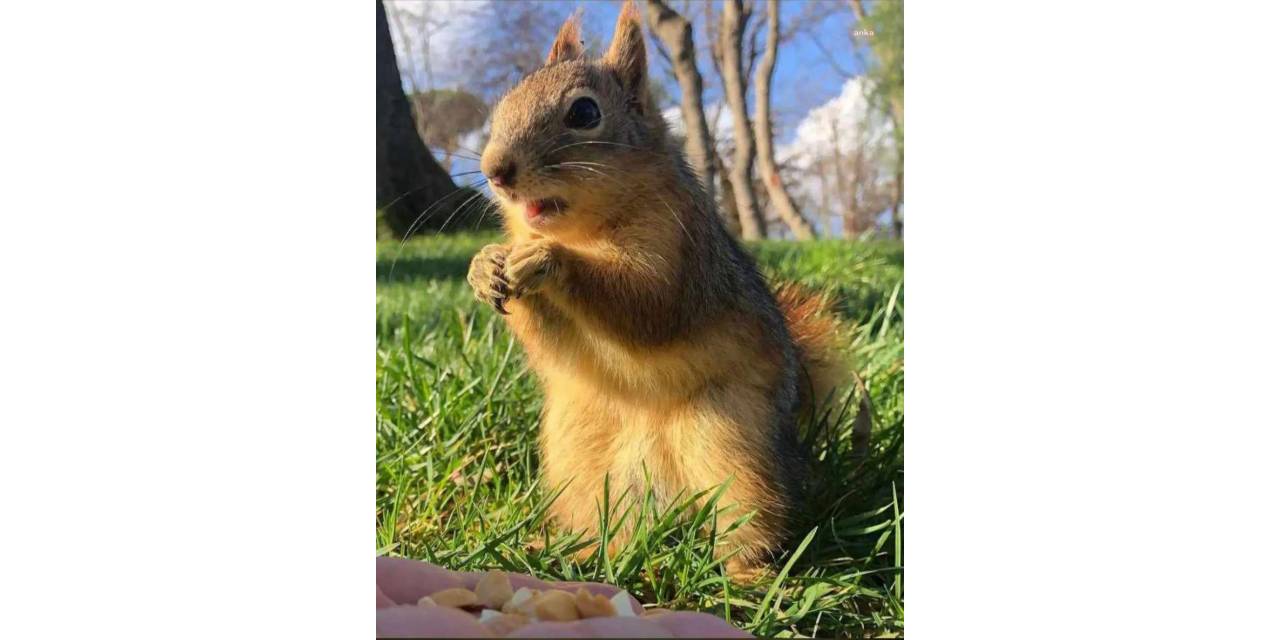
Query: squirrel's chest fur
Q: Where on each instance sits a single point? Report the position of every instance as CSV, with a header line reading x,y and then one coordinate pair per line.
x,y
688,414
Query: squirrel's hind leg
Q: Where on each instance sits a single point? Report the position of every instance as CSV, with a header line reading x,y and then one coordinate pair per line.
x,y
732,435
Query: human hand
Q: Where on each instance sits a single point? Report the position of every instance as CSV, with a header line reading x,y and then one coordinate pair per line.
x,y
402,582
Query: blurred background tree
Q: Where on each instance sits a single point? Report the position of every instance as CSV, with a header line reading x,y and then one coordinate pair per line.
x,y
886,73
445,117
409,179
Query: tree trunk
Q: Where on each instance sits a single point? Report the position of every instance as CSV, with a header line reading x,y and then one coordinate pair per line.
x,y
677,36
844,189
895,115
410,182
782,202
727,204
744,146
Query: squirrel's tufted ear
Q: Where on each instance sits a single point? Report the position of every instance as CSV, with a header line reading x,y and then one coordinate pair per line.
x,y
626,53
568,44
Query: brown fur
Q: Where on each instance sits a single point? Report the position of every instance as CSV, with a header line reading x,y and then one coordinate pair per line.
x,y
568,42
659,346
816,332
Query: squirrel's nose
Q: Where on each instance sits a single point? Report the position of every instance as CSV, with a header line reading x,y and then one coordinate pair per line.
x,y
503,175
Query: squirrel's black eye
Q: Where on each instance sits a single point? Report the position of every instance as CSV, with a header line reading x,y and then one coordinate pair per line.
x,y
584,113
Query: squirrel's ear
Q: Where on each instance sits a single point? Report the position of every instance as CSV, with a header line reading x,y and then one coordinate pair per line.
x,y
626,53
568,44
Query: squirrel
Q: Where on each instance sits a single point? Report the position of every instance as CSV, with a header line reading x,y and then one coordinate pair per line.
x,y
665,358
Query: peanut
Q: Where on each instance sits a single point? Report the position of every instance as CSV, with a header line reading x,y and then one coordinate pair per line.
x,y
592,605
505,623
426,601
493,589
521,601
622,604
456,597
556,605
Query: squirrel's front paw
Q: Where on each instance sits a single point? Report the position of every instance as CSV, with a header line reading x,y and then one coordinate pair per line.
x,y
486,277
529,266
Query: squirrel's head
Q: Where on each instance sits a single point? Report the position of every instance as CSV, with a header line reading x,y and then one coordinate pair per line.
x,y
566,143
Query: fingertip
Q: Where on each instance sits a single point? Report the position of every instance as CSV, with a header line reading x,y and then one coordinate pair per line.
x,y
383,600
692,624
412,621
404,581
548,630
623,628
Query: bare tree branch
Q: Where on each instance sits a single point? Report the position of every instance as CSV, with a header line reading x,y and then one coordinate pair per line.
x,y
676,35
814,13
752,39
782,202
710,24
859,10
831,59
735,94
728,204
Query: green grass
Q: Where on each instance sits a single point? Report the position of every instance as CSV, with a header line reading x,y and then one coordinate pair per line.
x,y
457,454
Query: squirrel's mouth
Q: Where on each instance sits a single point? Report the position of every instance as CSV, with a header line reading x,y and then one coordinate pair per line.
x,y
535,210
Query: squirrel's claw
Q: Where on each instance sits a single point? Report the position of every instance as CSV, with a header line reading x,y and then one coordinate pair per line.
x,y
498,286
498,293
528,266
487,279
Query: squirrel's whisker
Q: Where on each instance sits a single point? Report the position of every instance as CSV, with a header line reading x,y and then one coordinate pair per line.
x,y
469,155
595,171
587,168
401,196
490,208
459,208
677,218
616,144
415,189
423,220
471,151
420,220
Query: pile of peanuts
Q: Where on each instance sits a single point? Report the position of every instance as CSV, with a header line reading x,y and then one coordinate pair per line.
x,y
502,610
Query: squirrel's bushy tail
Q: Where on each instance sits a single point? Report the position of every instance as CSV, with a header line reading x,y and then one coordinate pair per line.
x,y
816,331
818,334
